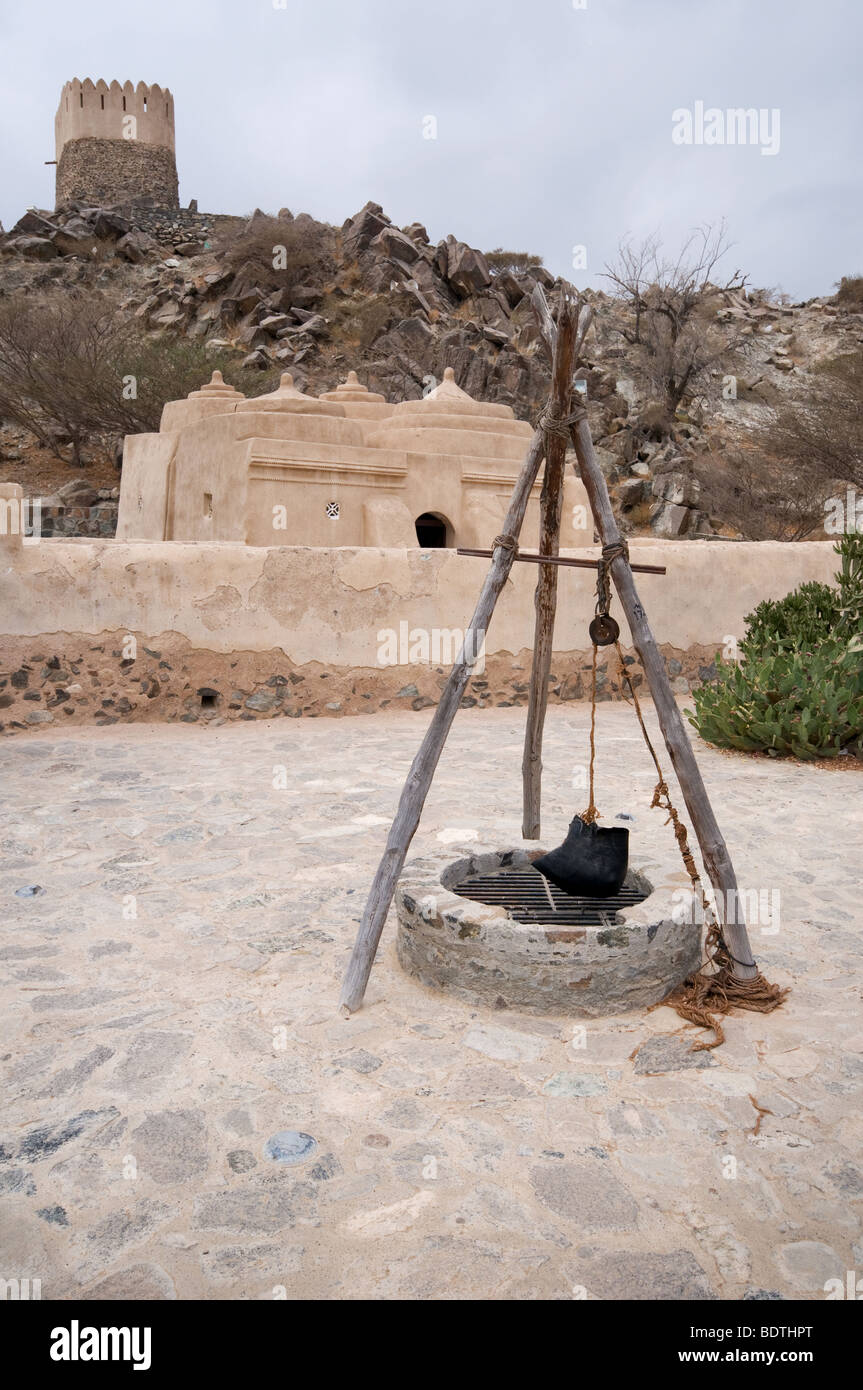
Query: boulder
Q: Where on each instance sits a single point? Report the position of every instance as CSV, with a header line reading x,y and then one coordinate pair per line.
x,y
510,288
498,336
376,273
359,231
108,226
677,488
669,520
466,270
608,462
252,335
229,310
78,492
136,246
317,326
33,224
259,358
391,242
541,276
256,223
305,297
247,297
417,232
274,322
75,238
220,275
35,248
621,444
630,492
409,338
170,315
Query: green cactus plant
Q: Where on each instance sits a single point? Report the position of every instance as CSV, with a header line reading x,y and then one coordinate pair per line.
x,y
798,689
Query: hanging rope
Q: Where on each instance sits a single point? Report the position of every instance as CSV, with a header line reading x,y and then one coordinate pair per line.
x,y
703,997
592,812
713,990
603,574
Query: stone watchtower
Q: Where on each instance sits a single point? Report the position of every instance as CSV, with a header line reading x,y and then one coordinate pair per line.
x,y
115,144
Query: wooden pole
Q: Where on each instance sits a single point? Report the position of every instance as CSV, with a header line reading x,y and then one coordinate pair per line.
x,y
545,606
423,767
714,850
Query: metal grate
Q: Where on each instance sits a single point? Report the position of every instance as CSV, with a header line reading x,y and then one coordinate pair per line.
x,y
529,897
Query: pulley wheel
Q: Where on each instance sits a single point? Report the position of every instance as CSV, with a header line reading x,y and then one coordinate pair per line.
x,y
603,630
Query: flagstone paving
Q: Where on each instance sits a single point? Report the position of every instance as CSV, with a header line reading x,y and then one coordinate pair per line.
x,y
169,1011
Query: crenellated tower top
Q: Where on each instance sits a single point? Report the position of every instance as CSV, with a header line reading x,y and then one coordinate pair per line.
x,y
115,142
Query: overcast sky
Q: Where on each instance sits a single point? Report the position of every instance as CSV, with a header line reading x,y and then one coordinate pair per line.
x,y
553,122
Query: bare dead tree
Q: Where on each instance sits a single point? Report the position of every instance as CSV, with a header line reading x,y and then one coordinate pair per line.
x,y
674,334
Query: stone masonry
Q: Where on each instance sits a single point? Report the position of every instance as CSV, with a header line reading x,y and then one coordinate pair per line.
x,y
116,171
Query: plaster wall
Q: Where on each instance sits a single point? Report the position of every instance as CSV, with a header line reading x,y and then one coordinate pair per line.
x,y
98,109
328,604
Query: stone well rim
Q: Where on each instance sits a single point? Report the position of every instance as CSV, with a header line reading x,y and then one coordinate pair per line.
x,y
432,876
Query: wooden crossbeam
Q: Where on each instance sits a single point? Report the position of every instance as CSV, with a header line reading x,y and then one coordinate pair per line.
x,y
563,560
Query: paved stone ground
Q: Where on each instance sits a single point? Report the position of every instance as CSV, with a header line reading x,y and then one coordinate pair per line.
x,y
459,1154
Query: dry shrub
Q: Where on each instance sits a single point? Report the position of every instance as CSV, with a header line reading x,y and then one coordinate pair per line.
x,y
761,496
820,431
514,261
849,291
75,370
278,254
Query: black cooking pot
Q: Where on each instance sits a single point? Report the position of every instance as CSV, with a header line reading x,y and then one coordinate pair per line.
x,y
590,863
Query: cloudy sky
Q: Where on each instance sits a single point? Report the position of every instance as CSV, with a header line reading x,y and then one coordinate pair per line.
x,y
552,120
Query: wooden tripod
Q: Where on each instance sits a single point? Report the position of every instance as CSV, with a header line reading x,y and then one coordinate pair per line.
x,y
555,429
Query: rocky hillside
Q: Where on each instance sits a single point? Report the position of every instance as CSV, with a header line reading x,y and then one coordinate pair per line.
x,y
288,293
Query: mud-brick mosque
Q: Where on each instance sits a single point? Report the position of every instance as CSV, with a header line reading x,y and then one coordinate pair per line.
x,y
345,468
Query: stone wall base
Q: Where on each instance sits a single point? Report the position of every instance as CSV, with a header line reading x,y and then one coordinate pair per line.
x,y
65,679
112,171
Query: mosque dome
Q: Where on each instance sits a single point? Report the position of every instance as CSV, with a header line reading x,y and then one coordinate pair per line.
x,y
286,398
216,389
352,392
215,397
449,421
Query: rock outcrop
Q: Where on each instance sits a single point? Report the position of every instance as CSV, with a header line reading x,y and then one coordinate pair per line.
x,y
401,308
